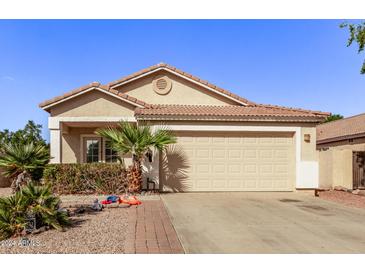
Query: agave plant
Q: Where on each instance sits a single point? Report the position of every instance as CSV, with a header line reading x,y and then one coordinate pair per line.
x,y
137,140
23,162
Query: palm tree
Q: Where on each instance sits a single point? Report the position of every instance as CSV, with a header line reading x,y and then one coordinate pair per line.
x,y
23,162
31,201
137,140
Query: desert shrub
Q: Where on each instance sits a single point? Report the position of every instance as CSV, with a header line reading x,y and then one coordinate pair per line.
x,y
94,178
36,201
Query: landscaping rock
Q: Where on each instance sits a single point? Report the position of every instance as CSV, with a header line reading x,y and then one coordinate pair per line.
x,y
39,230
340,188
104,232
344,197
97,206
361,192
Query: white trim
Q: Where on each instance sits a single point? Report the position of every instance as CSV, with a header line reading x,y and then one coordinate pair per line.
x,y
151,117
55,146
87,90
308,172
82,136
102,156
181,76
231,128
303,168
54,122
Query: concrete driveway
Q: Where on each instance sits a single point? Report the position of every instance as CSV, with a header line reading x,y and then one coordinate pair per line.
x,y
264,223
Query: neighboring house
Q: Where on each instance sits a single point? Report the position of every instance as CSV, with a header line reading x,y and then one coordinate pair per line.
x,y
342,152
225,142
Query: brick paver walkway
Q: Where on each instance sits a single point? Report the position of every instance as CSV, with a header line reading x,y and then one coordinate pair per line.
x,y
150,230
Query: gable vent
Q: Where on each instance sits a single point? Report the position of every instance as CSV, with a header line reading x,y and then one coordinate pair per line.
x,y
162,85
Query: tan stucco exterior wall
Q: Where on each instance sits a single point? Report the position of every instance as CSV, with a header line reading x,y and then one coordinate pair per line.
x,y
342,168
336,167
93,103
309,152
183,92
326,169
71,145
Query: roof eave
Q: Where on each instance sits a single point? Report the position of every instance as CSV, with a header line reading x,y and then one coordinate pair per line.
x,y
230,118
340,138
46,105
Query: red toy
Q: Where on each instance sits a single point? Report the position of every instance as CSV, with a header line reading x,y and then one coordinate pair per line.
x,y
131,200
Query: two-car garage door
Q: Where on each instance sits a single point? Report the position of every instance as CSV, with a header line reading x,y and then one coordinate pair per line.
x,y
221,161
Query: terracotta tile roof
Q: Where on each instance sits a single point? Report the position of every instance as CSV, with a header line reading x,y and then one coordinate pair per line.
x,y
192,77
229,112
346,128
92,85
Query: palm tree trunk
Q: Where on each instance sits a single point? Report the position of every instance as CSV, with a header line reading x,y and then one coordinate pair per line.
x,y
20,181
135,176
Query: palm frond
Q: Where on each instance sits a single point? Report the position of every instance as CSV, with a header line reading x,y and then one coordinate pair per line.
x,y
16,158
137,139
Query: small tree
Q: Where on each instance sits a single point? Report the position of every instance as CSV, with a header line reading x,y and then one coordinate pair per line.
x,y
333,117
23,162
138,140
357,34
31,133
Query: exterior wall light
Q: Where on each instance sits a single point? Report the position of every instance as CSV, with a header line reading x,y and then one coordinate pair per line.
x,y
307,138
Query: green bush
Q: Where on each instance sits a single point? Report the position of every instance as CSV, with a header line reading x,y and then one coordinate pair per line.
x,y
95,178
35,201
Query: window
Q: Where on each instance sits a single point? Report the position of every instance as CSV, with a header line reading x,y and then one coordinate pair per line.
x,y
97,149
92,150
111,156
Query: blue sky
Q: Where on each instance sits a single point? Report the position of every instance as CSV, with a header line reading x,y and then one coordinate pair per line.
x,y
297,63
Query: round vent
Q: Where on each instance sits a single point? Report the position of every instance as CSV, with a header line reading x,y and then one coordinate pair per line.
x,y
162,85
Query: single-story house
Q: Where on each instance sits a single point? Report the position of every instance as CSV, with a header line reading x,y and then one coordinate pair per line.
x,y
225,142
341,146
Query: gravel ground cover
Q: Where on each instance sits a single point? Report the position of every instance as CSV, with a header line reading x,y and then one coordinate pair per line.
x,y
343,197
5,191
91,232
96,232
102,232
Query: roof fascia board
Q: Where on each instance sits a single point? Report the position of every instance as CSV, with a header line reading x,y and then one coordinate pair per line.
x,y
228,118
340,138
87,90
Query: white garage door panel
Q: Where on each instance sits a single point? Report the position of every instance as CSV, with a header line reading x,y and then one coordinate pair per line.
x,y
235,162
